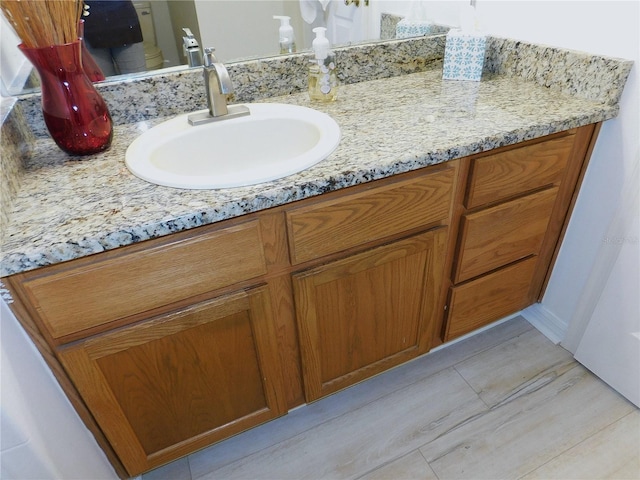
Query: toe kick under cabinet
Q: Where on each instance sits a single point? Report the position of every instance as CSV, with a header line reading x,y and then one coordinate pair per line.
x,y
172,344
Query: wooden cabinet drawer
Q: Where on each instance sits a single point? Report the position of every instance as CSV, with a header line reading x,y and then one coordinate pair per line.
x,y
335,225
96,292
503,234
489,298
502,175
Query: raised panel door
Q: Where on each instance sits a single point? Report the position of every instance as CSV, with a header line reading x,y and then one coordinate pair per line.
x,y
165,387
363,314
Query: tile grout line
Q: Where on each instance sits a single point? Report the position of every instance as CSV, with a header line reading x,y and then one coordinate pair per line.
x,y
382,465
455,367
428,463
349,412
576,445
378,398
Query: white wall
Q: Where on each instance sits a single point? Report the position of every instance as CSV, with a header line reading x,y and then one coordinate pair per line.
x,y
163,30
227,28
14,67
41,435
612,299
443,12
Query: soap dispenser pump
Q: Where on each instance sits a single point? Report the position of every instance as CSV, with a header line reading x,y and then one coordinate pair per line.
x,y
323,74
285,32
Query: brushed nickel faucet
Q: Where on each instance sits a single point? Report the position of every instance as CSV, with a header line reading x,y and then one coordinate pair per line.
x,y
217,84
191,48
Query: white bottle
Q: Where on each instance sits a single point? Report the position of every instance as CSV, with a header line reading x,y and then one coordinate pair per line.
x,y
285,32
323,74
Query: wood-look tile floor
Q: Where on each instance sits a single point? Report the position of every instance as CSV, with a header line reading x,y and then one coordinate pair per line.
x,y
503,404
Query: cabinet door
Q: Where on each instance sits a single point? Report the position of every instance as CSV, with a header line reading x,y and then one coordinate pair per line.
x,y
363,314
163,388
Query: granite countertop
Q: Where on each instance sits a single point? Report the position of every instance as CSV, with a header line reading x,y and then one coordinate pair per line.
x,y
66,209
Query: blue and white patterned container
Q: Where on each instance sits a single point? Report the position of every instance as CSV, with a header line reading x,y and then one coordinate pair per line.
x,y
464,55
413,28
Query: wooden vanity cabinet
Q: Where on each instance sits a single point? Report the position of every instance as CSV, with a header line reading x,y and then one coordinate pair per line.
x,y
511,219
361,310
169,345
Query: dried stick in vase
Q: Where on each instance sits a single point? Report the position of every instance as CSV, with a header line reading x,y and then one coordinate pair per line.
x,y
40,23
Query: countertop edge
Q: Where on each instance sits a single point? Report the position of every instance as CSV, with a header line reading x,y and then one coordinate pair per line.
x,y
31,259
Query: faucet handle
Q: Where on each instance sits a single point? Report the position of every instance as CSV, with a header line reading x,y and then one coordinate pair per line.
x,y
209,57
189,40
210,60
191,49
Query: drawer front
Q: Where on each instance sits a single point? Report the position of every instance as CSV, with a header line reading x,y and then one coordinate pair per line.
x,y
98,292
489,298
509,173
332,226
503,234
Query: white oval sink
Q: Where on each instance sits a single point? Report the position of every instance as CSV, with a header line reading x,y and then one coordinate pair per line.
x,y
274,141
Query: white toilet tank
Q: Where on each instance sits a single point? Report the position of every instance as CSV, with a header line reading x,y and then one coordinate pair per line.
x,y
152,53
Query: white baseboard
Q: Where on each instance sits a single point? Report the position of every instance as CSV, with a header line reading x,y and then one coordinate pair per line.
x,y
546,322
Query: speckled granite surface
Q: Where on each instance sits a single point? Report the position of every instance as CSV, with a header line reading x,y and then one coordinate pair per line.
x,y
14,141
181,90
66,209
389,22
576,73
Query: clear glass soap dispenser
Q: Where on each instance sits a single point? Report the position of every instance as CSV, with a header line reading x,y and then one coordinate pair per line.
x,y
323,73
285,33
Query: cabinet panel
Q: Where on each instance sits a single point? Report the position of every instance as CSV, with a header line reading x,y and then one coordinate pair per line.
x,y
368,312
518,170
332,226
97,292
486,299
503,234
178,382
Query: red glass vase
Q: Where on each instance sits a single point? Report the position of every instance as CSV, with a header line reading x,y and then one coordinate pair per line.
x,y
75,114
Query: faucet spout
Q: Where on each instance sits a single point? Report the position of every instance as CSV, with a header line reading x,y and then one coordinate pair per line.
x,y
217,84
